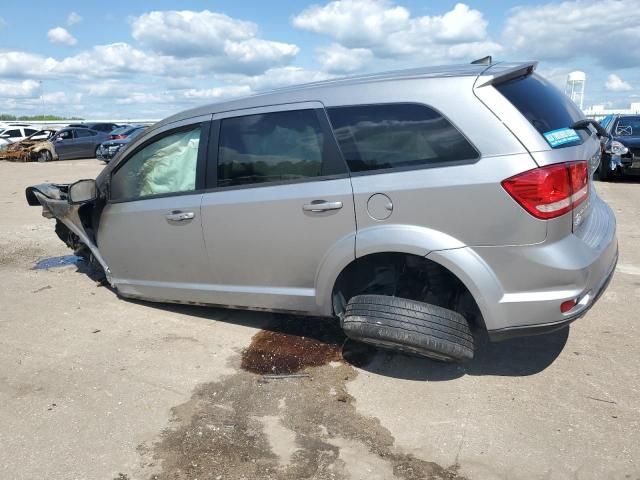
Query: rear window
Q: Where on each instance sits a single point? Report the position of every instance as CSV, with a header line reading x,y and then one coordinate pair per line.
x,y
403,136
546,107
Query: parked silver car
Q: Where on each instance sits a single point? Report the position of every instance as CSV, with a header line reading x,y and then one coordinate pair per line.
x,y
413,205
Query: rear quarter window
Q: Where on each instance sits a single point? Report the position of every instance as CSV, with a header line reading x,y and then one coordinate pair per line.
x,y
397,136
543,105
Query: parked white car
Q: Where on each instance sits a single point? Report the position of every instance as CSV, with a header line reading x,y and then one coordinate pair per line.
x,y
14,133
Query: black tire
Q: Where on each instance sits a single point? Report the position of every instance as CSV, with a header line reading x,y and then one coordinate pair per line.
x,y
406,325
95,154
44,156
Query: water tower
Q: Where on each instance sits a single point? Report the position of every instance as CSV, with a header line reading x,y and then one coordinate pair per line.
x,y
575,87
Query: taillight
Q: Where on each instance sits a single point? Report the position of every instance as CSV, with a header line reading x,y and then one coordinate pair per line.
x,y
551,191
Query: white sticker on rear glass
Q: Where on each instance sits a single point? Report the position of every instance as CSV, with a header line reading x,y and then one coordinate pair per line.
x,y
561,136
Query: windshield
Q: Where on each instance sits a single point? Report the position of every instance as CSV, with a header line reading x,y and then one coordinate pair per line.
x,y
628,126
546,107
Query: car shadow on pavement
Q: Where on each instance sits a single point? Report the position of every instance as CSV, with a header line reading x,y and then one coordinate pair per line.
x,y
512,358
516,357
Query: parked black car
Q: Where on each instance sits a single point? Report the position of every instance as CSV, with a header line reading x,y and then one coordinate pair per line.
x,y
110,148
98,126
77,142
123,131
622,150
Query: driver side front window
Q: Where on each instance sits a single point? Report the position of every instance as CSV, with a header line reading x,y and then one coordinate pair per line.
x,y
167,165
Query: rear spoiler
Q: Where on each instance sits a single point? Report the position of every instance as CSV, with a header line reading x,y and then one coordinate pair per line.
x,y
502,72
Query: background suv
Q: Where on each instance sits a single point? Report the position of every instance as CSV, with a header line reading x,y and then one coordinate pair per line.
x,y
412,205
622,150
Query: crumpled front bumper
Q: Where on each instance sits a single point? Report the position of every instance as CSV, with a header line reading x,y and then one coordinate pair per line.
x,y
53,198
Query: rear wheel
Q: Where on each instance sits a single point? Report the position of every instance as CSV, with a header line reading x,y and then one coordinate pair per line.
x,y
44,156
409,326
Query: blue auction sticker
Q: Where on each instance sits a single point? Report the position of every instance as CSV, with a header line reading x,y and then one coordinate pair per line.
x,y
561,136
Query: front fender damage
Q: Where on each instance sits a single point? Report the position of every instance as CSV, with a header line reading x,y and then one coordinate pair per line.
x,y
55,204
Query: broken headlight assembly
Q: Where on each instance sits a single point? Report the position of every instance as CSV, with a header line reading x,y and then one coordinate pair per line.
x,y
617,148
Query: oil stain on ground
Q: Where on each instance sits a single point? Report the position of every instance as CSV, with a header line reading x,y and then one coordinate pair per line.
x,y
55,262
289,344
252,426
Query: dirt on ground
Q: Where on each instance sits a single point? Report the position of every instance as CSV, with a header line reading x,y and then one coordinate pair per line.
x,y
267,421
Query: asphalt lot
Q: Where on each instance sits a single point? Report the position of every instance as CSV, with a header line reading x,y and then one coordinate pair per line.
x,y
96,387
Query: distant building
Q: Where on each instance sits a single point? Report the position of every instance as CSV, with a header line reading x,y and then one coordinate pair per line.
x,y
575,87
599,111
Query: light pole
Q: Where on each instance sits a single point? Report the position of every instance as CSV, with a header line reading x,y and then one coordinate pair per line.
x,y
42,97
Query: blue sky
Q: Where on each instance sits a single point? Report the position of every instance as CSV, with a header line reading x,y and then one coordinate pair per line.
x,y
146,59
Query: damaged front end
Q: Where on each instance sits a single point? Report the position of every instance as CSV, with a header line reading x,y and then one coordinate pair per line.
x,y
31,149
74,208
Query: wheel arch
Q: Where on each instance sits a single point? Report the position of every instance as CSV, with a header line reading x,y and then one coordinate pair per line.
x,y
419,242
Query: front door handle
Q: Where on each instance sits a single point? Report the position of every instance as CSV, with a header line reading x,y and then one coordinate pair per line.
x,y
321,206
178,216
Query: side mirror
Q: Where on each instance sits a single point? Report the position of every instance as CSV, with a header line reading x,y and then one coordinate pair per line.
x,y
83,191
59,139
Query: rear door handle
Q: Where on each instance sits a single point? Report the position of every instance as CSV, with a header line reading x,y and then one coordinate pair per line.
x,y
177,216
321,206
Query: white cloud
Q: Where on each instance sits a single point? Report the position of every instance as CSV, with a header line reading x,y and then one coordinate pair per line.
x,y
355,23
61,98
109,61
219,40
24,64
276,77
389,31
61,36
218,93
145,98
571,29
73,19
187,33
616,84
339,59
25,88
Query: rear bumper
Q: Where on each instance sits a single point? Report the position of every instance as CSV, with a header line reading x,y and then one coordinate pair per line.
x,y
519,289
535,280
544,328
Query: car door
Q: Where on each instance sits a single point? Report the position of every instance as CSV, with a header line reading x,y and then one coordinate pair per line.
x,y
150,231
64,143
279,199
85,143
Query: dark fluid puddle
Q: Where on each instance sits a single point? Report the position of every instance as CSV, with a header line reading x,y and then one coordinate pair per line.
x,y
55,262
291,343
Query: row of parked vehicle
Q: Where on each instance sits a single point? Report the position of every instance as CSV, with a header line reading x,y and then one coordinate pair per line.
x,y
22,142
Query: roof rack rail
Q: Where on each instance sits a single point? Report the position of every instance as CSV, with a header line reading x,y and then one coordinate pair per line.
x,y
483,61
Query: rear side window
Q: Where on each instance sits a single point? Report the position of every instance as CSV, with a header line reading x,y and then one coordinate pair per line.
x,y
375,137
270,147
85,132
542,104
13,133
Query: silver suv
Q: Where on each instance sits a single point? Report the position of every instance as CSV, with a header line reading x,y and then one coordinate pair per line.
x,y
413,205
